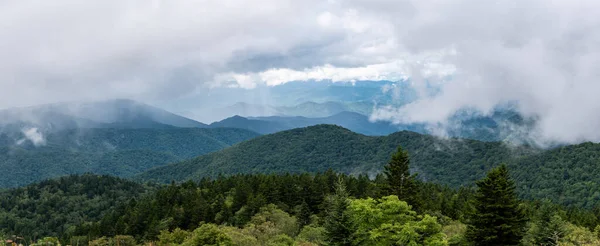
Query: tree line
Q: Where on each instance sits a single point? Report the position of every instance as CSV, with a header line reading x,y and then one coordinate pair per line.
x,y
392,208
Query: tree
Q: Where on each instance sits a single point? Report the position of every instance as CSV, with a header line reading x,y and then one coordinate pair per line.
x,y
272,221
338,226
498,219
547,227
399,182
389,221
208,234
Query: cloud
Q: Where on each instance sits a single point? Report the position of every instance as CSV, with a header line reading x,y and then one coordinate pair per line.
x,y
542,55
34,135
392,71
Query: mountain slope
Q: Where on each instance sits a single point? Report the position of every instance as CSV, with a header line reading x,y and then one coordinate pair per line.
x,y
318,148
568,175
57,206
120,152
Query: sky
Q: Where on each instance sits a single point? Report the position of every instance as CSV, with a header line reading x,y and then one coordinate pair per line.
x,y
543,55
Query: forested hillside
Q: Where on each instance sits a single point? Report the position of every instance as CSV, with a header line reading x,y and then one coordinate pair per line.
x,y
57,207
315,149
119,152
566,175
292,209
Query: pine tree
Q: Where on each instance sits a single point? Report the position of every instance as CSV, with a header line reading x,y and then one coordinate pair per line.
x,y
498,220
547,227
399,182
304,214
337,223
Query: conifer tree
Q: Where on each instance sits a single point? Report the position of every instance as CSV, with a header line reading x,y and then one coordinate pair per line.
x,y
399,182
497,220
337,223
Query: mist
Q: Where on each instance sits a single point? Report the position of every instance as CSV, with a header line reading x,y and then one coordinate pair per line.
x,y
541,56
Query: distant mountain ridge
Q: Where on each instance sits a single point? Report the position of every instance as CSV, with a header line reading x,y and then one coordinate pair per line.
x,y
266,125
118,113
306,109
500,126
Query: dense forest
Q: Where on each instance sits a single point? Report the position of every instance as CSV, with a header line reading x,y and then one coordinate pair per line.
x,y
566,175
118,152
58,206
454,162
329,208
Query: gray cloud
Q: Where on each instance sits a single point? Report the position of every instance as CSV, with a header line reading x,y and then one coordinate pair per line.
x,y
542,54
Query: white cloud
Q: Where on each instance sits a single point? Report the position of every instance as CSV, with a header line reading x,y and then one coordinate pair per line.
x,y
543,54
34,135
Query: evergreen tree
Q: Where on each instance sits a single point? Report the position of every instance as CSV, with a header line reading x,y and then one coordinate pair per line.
x,y
337,223
304,214
498,220
547,227
399,182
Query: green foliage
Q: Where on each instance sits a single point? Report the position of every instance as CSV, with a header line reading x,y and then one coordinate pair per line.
x,y
208,235
568,175
47,241
119,240
546,227
270,222
281,240
389,221
498,219
56,207
455,232
579,236
313,234
338,226
266,210
171,238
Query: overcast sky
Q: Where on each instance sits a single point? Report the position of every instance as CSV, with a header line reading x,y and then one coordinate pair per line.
x,y
543,54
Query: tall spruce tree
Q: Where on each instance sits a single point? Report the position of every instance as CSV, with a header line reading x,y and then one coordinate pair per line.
x,y
399,182
338,226
497,220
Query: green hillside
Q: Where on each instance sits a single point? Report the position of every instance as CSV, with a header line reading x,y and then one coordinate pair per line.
x,y
119,152
56,207
181,142
318,148
567,175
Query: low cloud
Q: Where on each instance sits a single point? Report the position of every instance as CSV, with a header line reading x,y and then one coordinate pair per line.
x,y
34,136
541,55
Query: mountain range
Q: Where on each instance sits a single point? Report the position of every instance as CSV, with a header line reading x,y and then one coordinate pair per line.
x,y
271,124
568,175
502,125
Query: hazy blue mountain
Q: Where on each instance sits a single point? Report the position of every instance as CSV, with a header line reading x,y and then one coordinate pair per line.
x,y
103,114
265,125
499,126
218,103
